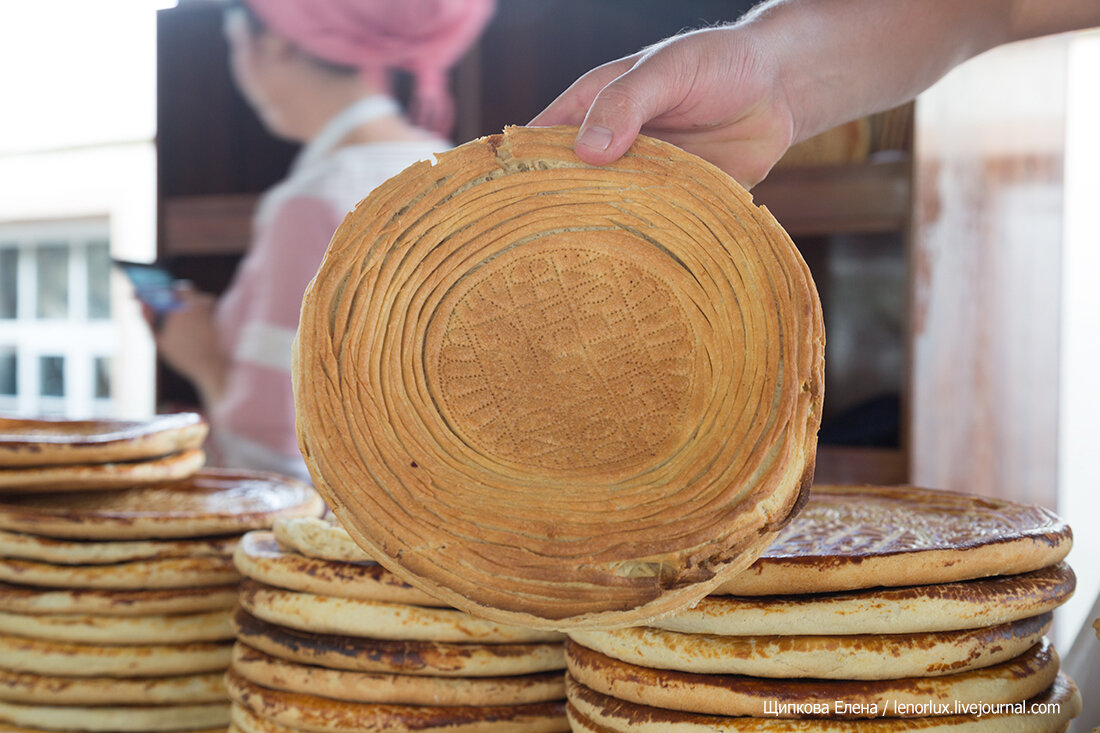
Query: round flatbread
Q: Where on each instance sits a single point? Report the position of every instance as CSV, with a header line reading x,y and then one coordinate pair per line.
x,y
68,552
120,719
513,371
321,538
45,442
1011,681
944,607
398,657
212,502
5,728
258,557
332,615
309,712
18,599
84,629
38,689
395,689
181,572
1048,712
857,537
866,657
100,660
101,476
244,720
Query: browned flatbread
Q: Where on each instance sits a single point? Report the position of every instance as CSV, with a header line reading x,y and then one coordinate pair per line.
x,y
177,572
5,728
309,712
73,552
36,656
258,557
45,442
380,620
19,599
862,657
117,718
395,689
855,537
360,654
591,712
173,628
212,502
541,427
65,479
1017,679
967,604
66,690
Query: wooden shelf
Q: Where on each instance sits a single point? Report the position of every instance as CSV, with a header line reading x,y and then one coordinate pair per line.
x,y
860,198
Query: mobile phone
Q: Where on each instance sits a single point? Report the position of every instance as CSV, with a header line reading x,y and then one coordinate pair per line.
x,y
154,285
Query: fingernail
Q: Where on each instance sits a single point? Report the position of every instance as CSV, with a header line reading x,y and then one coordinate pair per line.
x,y
596,138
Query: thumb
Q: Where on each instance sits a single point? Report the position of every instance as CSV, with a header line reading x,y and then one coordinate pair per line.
x,y
620,110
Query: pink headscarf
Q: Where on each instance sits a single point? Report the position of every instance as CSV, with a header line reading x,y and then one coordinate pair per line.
x,y
423,37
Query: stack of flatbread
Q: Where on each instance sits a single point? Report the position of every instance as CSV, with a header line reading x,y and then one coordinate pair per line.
x,y
877,609
42,455
331,641
115,605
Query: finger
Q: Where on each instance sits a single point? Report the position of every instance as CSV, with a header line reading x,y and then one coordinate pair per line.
x,y
619,111
572,105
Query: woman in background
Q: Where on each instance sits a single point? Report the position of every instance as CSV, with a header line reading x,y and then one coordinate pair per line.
x,y
316,72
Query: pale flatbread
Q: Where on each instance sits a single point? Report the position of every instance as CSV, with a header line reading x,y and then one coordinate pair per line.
x,y
258,557
314,713
395,689
54,690
101,476
121,719
5,728
865,657
19,654
1011,681
85,629
179,572
67,552
398,657
332,615
944,607
20,599
321,538
858,537
591,712
212,502
45,442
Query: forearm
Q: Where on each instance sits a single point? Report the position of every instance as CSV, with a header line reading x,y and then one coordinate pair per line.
x,y
840,59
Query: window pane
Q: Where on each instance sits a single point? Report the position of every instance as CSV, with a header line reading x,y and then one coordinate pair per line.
x,y
51,376
9,280
53,280
99,279
102,378
8,382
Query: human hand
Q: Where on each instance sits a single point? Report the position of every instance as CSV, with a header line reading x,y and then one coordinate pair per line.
x,y
187,341
715,92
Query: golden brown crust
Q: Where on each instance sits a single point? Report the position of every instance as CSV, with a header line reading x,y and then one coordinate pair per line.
x,y
177,572
45,442
863,657
855,537
513,379
310,712
942,607
402,657
85,552
395,689
68,690
593,712
36,656
69,478
211,502
24,599
258,557
715,694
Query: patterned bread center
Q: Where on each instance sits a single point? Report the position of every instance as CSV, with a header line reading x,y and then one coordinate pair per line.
x,y
559,356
